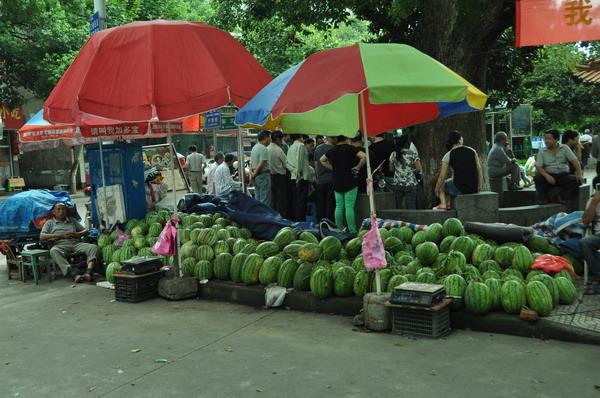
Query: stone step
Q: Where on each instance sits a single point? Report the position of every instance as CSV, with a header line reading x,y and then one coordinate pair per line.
x,y
425,217
528,215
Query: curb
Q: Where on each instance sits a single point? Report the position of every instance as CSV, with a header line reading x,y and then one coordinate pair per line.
x,y
254,295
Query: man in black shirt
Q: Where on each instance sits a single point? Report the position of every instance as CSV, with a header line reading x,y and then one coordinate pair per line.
x,y
379,153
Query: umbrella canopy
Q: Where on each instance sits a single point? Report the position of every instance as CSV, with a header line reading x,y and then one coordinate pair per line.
x,y
156,70
399,86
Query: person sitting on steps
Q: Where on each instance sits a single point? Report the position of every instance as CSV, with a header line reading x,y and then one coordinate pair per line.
x,y
591,244
500,165
553,182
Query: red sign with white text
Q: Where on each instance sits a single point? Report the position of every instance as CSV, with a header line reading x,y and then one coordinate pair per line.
x,y
12,118
557,21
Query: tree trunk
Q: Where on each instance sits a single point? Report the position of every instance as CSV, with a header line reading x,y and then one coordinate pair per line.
x,y
74,168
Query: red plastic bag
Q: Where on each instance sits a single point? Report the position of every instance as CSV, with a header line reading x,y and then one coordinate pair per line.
x,y
373,249
166,245
549,263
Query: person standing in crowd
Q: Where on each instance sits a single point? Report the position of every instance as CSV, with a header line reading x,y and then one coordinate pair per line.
x,y
467,177
210,178
261,172
277,163
318,141
357,142
345,160
310,144
288,140
195,163
297,164
500,165
552,166
324,194
586,147
570,138
404,165
224,183
380,151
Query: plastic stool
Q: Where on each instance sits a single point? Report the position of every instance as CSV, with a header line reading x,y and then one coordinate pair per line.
x,y
36,259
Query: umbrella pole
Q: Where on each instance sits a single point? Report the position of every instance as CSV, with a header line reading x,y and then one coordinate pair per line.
x,y
241,156
173,160
370,191
105,212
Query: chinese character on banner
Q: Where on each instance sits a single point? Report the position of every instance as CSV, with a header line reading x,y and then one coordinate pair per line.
x,y
12,118
556,21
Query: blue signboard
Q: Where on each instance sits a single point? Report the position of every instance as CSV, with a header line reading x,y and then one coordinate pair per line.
x,y
212,120
95,23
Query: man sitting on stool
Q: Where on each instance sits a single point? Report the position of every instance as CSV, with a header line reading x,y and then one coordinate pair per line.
x,y
500,165
66,232
552,165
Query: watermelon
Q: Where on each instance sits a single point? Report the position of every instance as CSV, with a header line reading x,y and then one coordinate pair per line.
x,y
548,281
512,272
433,233
425,277
203,270
238,246
413,267
566,290
292,250
223,222
481,253
452,226
204,252
564,273
403,259
478,298
188,266
331,248
301,279
576,263
489,265
490,274
104,240
251,269
396,280
533,273
207,236
446,243
308,237
455,262
503,256
418,238
234,232
495,287
155,229
384,233
358,263
309,252
354,247
221,247
267,249
522,259
269,270
128,243
249,248
538,244
427,253
455,285
393,244
539,298
471,273
384,278
321,282
223,234
245,232
110,271
463,244
361,282
284,237
287,270
406,234
235,270
222,266
127,253
107,253
512,296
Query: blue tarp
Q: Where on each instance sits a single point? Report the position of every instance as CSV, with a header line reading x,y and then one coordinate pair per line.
x,y
18,211
260,219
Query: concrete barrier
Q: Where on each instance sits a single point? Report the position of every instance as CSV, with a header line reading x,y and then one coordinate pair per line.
x,y
425,217
481,206
528,215
383,200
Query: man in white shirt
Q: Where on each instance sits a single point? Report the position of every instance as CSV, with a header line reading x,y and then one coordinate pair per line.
x,y
261,170
210,178
297,164
223,181
195,164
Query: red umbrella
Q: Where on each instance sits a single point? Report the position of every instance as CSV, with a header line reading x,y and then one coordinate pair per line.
x,y
156,70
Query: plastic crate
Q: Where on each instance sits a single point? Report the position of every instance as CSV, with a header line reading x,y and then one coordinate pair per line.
x,y
421,321
135,288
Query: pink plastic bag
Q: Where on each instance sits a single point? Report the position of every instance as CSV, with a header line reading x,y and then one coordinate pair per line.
x,y
372,248
166,245
550,263
121,237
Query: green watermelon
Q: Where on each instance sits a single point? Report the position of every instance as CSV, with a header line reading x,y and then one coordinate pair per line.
x,y
548,281
361,282
128,243
207,236
455,262
204,270
455,285
104,240
107,253
393,244
331,248
309,252
221,247
565,274
188,250
284,237
222,266
396,280
110,271
463,244
538,244
453,226
533,273
433,233
267,249
522,259
471,273
512,296
418,238
188,266
482,253
490,274
287,270
489,265
238,246
446,243
478,298
127,253
384,278
539,298
403,259
308,237
301,279
358,263
384,233
245,232
292,250
235,270
566,290
234,232
155,229
425,277
269,270
151,240
495,287
503,256
321,283
204,252
251,269
249,248
427,253
223,234
354,247
512,272
406,234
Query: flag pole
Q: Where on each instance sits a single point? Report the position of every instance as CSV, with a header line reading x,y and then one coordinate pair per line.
x,y
173,160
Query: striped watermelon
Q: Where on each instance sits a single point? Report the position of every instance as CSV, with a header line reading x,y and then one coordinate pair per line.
x,y
566,290
188,266
539,298
221,247
222,266
384,233
482,253
512,296
127,253
418,238
489,265
204,252
455,262
354,247
238,246
495,287
358,263
284,237
235,270
249,248
478,298
384,278
207,236
308,237
110,271
393,244
427,253
245,232
471,273
564,273
267,249
309,252
446,243
155,229
548,281
331,248
522,259
104,240
455,285
251,269
533,273
204,270
503,256
287,270
395,281
301,280
269,270
234,232
403,258
512,272
453,226
107,253
223,234
463,244
361,282
433,233
425,277
406,234
321,283
490,274
292,250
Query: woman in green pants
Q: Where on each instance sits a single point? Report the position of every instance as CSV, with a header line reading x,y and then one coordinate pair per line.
x,y
345,161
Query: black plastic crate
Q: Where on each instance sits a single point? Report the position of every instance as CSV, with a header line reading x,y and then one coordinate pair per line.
x,y
142,265
135,288
421,321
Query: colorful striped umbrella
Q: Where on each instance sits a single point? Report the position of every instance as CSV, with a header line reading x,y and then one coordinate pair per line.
x,y
368,87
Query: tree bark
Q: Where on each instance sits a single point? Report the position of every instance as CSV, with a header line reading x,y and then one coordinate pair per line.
x,y
74,168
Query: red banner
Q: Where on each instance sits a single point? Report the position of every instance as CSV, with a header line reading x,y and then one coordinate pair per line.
x,y
12,118
557,21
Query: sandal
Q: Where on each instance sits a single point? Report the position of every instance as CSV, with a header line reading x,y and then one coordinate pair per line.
x,y
83,278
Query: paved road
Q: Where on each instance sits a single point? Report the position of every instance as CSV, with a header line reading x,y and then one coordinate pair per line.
x,y
60,340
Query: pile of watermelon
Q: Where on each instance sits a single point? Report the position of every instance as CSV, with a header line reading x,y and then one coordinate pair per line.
x,y
484,275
